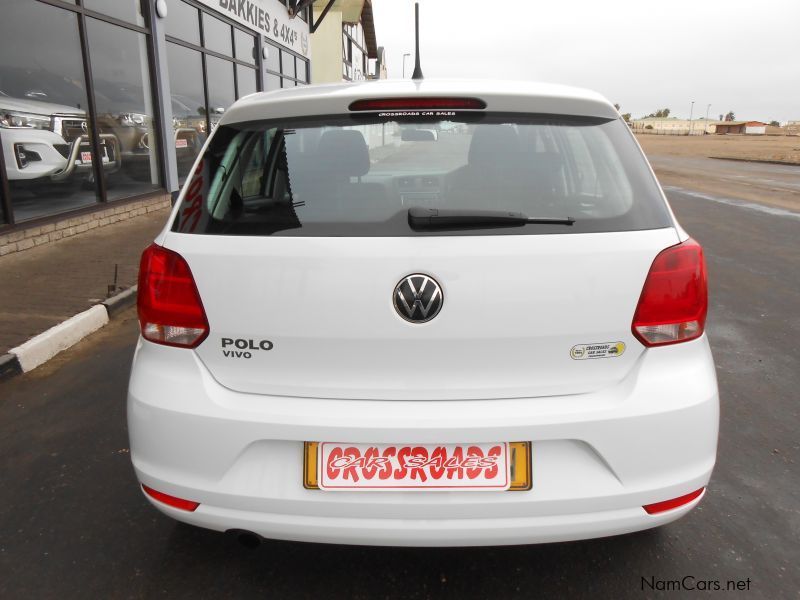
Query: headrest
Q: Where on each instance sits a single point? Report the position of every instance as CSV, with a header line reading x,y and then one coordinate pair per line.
x,y
344,152
493,143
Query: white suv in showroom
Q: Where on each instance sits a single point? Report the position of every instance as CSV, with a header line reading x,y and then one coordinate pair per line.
x,y
431,313
42,139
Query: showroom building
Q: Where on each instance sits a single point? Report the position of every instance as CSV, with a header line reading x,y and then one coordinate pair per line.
x,y
106,103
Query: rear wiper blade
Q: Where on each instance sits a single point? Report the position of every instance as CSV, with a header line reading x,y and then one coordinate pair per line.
x,y
438,218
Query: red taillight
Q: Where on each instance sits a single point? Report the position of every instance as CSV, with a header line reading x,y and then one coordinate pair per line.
x,y
418,104
659,507
674,301
170,310
171,500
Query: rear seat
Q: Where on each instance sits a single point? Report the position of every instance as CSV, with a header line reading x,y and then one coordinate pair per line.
x,y
325,181
498,165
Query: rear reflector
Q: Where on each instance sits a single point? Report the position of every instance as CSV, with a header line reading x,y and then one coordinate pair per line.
x,y
674,300
171,500
418,104
666,505
170,310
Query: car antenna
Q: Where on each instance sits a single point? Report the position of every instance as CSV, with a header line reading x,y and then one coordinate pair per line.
x,y
417,70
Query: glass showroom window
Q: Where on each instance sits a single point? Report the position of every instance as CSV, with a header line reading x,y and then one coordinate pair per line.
x,y
185,65
208,58
124,102
43,112
272,65
124,10
246,77
245,81
245,46
183,22
302,70
283,69
221,91
287,66
217,35
188,105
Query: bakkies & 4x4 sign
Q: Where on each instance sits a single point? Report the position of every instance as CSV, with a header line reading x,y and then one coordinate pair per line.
x,y
268,17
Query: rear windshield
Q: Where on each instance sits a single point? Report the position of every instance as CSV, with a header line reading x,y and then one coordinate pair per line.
x,y
359,176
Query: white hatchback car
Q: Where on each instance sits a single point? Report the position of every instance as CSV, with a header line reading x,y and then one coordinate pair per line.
x,y
427,313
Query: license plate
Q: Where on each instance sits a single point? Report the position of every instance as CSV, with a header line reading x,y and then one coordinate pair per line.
x,y
497,466
86,155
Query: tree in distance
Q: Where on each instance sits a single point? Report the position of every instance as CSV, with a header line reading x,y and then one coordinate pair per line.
x,y
625,116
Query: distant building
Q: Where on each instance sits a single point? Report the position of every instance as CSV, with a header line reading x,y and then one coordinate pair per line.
x,y
730,127
755,128
344,46
741,127
673,126
380,71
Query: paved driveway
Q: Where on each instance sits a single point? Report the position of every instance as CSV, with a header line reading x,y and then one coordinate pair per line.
x,y
74,525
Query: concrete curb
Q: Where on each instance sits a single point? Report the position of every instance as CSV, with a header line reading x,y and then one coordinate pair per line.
x,y
120,302
785,163
46,345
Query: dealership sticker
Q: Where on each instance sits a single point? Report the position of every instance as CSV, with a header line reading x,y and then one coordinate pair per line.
x,y
410,467
604,350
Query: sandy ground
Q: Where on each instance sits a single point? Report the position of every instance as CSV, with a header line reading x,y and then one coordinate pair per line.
x,y
760,147
685,163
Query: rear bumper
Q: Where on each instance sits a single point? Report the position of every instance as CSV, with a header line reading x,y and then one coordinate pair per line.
x,y
427,532
596,458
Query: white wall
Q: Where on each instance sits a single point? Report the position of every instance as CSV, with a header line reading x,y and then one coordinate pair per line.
x,y
326,50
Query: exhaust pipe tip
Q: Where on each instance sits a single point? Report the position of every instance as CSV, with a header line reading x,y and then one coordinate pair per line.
x,y
249,540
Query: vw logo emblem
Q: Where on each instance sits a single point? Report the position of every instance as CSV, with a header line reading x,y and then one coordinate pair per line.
x,y
418,298
84,127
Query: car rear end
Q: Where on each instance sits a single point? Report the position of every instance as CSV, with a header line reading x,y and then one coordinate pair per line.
x,y
423,314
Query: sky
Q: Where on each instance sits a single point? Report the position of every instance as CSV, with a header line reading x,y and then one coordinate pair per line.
x,y
736,55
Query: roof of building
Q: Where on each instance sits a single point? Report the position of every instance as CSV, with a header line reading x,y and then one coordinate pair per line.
x,y
368,23
350,9
746,123
675,119
500,96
